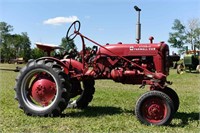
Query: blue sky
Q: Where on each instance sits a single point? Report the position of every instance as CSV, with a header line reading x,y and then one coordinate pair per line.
x,y
105,21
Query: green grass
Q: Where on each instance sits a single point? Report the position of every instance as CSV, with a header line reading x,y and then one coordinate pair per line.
x,y
110,111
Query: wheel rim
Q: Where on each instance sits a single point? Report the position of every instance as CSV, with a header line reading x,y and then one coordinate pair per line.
x,y
198,68
180,69
39,89
154,110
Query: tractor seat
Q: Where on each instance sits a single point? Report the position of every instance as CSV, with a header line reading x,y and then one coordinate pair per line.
x,y
47,47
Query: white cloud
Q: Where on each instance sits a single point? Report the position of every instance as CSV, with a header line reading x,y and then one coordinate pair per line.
x,y
60,20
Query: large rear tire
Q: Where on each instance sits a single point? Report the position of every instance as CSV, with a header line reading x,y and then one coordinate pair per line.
x,y
42,88
154,108
83,99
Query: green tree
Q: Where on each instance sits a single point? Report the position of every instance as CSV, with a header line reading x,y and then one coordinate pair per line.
x,y
67,45
8,49
183,35
37,53
177,38
5,41
25,47
16,42
5,29
13,45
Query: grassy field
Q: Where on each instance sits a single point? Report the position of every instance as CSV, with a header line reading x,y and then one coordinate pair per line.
x,y
110,111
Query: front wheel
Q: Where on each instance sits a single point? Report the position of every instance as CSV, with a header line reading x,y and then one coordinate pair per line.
x,y
173,95
42,88
180,69
154,108
198,68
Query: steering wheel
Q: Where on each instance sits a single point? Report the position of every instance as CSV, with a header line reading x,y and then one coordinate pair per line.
x,y
72,34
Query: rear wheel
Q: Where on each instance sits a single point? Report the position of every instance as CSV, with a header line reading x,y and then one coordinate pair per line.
x,y
81,98
154,108
42,88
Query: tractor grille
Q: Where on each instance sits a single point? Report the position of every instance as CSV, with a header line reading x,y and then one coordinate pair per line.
x,y
188,59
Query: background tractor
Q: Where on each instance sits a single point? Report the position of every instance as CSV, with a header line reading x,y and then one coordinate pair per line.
x,y
48,85
174,59
191,62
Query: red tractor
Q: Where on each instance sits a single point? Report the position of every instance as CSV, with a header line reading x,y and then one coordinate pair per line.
x,y
46,86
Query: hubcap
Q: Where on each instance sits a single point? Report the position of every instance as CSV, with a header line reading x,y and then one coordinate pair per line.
x,y
154,110
43,91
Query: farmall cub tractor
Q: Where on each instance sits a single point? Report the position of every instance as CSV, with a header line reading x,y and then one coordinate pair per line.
x,y
46,86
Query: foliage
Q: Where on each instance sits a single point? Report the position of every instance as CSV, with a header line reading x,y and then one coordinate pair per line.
x,y
5,28
24,47
183,35
13,45
37,53
4,37
110,111
177,38
68,44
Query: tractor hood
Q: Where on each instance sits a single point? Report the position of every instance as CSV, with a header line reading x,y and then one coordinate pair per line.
x,y
133,49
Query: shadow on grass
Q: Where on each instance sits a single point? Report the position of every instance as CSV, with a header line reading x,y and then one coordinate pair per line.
x,y
185,118
95,111
193,72
15,70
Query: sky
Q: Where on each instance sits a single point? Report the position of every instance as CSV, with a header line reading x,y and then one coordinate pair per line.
x,y
105,21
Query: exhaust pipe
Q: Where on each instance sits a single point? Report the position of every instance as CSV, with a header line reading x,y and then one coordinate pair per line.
x,y
138,25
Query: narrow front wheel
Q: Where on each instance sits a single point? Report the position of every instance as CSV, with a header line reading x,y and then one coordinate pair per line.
x,y
154,108
173,95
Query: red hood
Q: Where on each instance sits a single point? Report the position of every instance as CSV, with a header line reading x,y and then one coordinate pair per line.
x,y
133,49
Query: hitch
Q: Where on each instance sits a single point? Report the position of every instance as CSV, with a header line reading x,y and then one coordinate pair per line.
x,y
143,85
17,69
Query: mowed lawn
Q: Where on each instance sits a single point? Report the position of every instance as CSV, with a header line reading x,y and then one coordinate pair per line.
x,y
110,111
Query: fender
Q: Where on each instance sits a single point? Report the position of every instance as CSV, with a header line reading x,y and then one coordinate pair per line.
x,y
65,66
73,64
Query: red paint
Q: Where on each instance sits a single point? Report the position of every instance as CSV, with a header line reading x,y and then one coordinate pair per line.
x,y
126,63
154,110
47,47
43,91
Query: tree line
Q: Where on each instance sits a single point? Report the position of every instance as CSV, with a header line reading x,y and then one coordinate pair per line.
x,y
13,46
